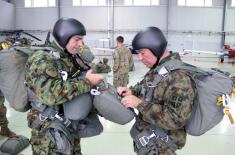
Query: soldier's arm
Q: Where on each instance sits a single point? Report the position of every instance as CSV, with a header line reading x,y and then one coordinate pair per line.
x,y
43,77
173,102
115,61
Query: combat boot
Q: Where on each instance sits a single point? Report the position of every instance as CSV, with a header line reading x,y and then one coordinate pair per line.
x,y
5,131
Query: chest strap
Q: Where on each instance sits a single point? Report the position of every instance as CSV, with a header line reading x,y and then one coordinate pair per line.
x,y
45,113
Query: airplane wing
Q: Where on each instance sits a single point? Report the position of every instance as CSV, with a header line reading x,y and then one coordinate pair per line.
x,y
187,51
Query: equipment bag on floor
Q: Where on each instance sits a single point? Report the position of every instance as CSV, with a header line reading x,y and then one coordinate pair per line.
x,y
13,146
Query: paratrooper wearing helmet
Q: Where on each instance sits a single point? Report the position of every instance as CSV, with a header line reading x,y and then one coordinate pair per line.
x,y
53,76
164,102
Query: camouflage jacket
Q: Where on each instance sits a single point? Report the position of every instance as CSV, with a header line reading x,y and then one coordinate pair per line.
x,y
171,104
121,60
43,77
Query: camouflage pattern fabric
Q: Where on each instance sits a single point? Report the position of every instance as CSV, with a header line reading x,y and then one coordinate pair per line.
x,y
120,67
131,61
43,78
170,107
102,67
3,111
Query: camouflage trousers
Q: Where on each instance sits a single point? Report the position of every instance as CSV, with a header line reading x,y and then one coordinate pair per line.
x,y
120,80
3,111
41,144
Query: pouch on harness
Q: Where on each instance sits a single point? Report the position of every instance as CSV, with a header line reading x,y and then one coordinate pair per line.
x,y
210,86
12,76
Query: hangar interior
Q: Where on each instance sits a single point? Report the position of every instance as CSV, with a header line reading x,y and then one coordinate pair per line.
x,y
204,25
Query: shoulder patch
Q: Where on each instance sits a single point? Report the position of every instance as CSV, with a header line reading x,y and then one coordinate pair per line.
x,y
176,101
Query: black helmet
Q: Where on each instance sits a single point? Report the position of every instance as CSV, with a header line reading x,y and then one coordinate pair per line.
x,y
151,38
65,28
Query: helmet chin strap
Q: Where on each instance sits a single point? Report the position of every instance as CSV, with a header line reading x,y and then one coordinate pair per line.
x,y
157,62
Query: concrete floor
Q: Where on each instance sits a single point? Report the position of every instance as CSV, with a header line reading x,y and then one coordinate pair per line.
x,y
115,140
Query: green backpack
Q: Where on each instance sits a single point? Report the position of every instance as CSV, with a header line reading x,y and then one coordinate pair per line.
x,y
210,84
12,76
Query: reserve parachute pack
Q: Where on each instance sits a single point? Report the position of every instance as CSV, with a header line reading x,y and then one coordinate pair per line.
x,y
212,87
12,77
108,104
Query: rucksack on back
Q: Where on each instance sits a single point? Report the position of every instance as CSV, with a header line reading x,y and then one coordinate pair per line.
x,y
210,86
206,113
12,77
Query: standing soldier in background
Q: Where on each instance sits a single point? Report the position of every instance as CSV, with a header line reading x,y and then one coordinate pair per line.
x,y
121,64
55,80
131,61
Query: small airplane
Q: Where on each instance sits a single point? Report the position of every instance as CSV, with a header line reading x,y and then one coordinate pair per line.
x,y
227,52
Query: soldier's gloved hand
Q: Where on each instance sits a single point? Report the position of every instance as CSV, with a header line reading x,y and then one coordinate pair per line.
x,y
94,78
131,101
124,91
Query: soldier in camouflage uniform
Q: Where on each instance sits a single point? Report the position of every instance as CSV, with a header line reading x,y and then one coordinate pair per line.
x,y
172,98
120,64
4,130
103,67
131,61
45,80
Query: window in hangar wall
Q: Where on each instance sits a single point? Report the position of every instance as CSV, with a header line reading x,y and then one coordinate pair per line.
x,y
200,3
40,3
233,3
141,2
89,2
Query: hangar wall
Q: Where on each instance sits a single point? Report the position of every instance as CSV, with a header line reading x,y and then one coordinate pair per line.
x,y
186,27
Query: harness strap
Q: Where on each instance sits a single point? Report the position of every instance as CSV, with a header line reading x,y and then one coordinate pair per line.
x,y
154,134
47,112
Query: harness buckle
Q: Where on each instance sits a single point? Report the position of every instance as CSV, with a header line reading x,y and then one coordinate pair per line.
x,y
165,139
42,118
64,75
58,117
151,85
95,92
67,122
144,140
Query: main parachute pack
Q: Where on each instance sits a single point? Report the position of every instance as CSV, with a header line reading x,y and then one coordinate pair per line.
x,y
12,71
213,88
